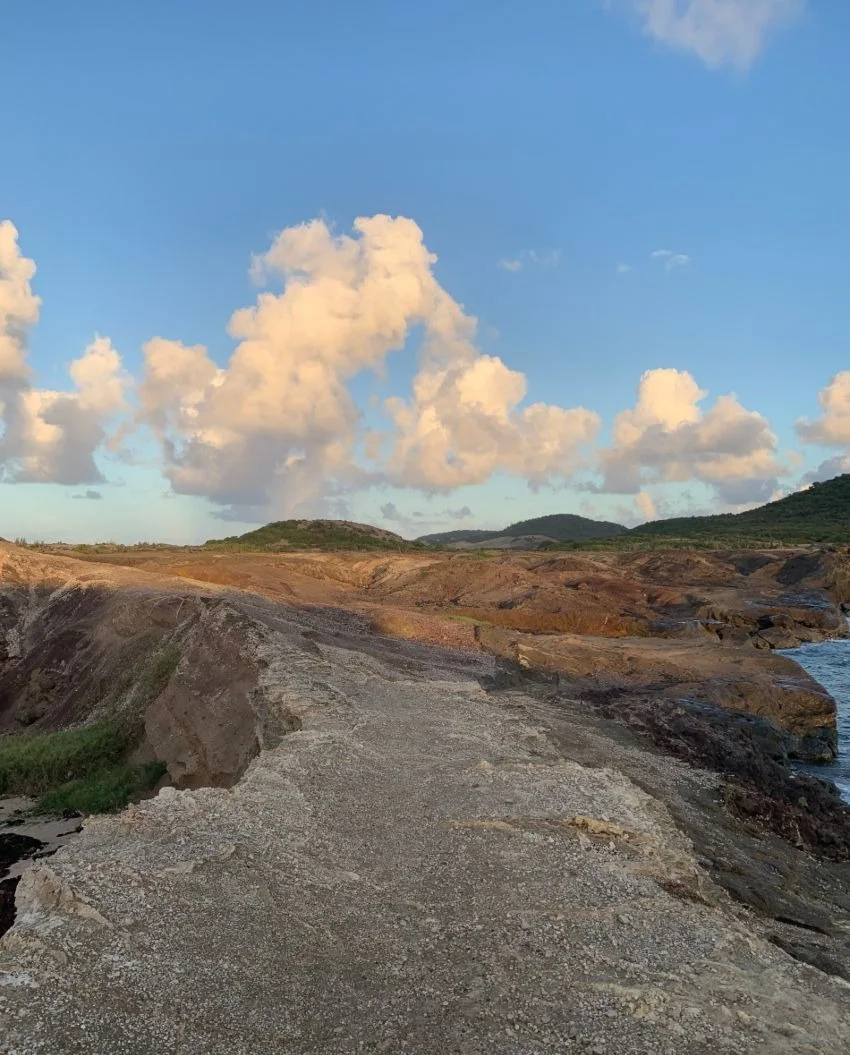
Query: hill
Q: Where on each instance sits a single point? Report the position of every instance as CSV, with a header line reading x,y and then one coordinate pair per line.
x,y
314,534
560,527
565,527
820,514
446,538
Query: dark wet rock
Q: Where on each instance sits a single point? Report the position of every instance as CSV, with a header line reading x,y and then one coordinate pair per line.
x,y
14,848
799,567
7,903
751,755
812,953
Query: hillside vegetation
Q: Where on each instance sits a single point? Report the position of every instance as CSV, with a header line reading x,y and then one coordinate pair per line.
x,y
820,514
314,534
561,527
565,527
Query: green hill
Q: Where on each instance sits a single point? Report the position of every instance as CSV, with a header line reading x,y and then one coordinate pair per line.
x,y
314,534
445,538
563,527
820,514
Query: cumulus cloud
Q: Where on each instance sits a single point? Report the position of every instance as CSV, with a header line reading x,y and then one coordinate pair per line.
x,y
459,514
831,429
624,269
720,32
277,426
463,423
49,436
669,438
671,260
19,307
531,257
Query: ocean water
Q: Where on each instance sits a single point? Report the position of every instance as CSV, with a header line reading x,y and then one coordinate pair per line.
x,y
829,663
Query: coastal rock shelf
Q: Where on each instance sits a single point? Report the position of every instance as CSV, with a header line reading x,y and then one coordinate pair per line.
x,y
507,841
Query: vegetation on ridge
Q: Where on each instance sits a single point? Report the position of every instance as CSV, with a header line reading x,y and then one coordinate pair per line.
x,y
820,514
314,534
86,769
561,527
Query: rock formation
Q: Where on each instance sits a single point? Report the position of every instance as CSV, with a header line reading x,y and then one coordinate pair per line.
x,y
383,844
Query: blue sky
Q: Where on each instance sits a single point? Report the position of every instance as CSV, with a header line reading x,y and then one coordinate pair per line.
x,y
546,151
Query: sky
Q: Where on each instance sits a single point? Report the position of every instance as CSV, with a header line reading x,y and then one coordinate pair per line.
x,y
425,266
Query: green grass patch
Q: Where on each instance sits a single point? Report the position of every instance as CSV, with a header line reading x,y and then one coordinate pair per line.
x,y
34,763
103,791
76,769
85,769
156,673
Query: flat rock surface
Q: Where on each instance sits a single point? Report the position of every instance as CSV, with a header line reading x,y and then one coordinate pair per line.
x,y
420,868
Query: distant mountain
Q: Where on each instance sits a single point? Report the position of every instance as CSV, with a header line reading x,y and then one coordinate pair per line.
x,y
820,514
559,527
314,534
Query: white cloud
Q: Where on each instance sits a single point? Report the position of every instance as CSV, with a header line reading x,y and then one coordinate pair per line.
x,y
671,260
531,257
463,424
720,32
277,427
19,307
668,438
832,428
624,269
51,436
48,436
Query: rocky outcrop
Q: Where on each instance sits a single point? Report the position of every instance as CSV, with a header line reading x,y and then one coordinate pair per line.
x,y
410,849
81,643
734,678
423,867
703,625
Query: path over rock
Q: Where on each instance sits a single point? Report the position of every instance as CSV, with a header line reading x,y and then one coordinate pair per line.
x,y
418,869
